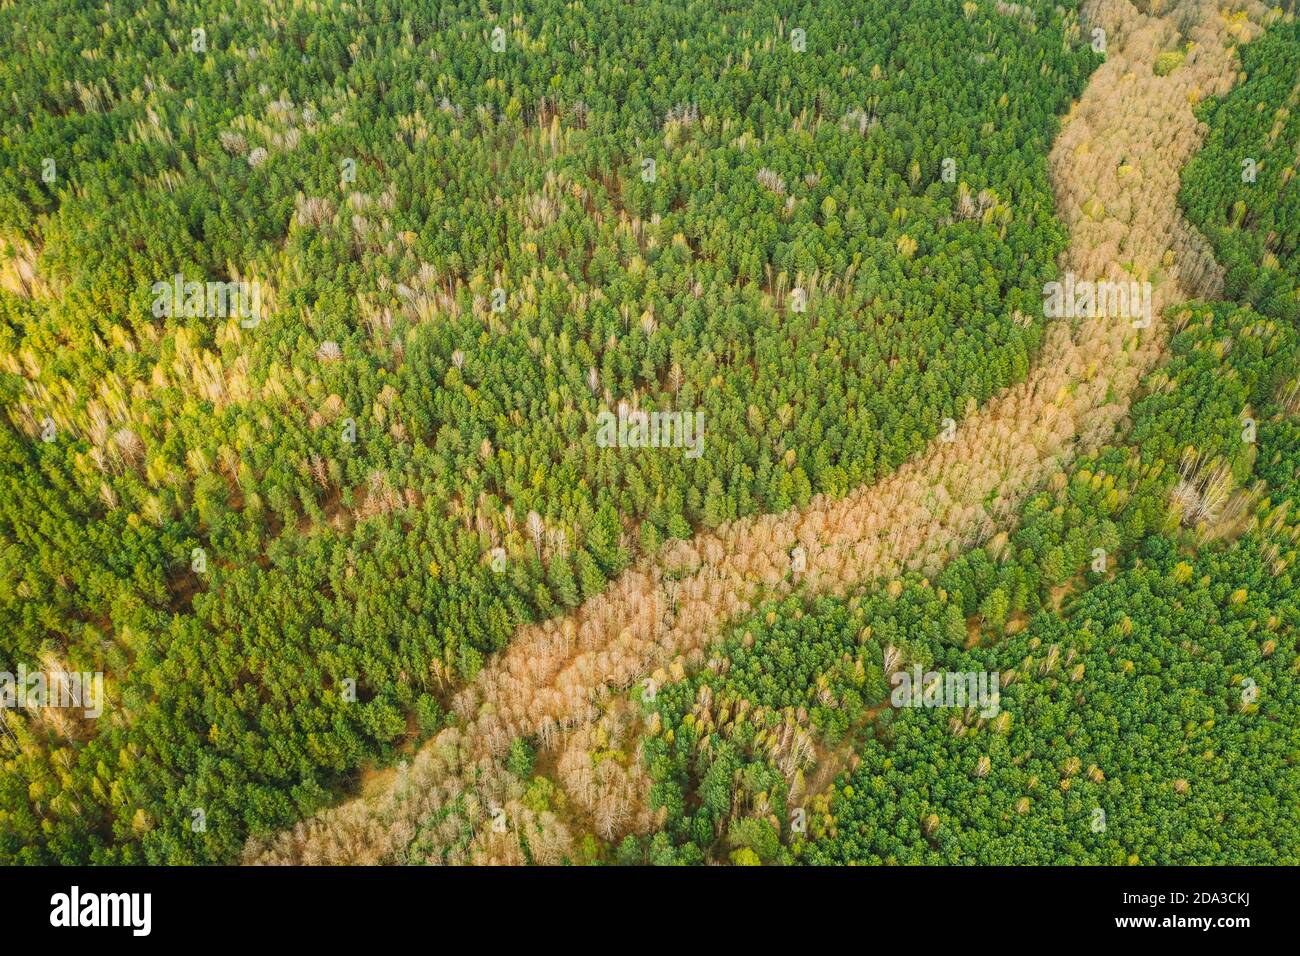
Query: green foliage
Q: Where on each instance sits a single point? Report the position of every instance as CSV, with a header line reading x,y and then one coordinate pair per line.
x,y
1148,699
1240,189
335,563
1160,700
1136,705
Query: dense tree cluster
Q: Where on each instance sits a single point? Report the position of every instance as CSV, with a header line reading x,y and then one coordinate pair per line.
x,y
1155,723
1142,619
1146,657
462,257
1240,189
737,747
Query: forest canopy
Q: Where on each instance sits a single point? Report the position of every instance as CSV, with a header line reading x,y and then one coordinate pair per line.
x,y
321,327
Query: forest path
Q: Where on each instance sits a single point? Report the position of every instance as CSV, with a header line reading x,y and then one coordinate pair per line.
x,y
1115,172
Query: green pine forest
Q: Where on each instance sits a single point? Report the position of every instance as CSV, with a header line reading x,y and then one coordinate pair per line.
x,y
290,540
